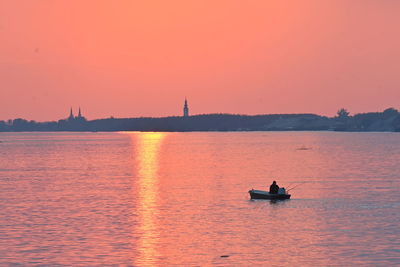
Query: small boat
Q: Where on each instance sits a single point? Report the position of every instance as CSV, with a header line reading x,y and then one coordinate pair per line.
x,y
260,194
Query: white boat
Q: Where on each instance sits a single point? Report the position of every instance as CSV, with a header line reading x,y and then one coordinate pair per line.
x,y
260,194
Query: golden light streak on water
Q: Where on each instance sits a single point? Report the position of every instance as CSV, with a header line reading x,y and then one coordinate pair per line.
x,y
148,163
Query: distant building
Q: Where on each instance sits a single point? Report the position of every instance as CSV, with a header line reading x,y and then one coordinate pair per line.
x,y
71,116
185,109
78,118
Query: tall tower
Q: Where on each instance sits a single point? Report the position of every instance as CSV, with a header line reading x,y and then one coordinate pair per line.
x,y
71,115
185,109
79,113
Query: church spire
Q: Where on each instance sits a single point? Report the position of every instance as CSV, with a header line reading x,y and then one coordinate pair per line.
x,y
71,115
185,109
79,113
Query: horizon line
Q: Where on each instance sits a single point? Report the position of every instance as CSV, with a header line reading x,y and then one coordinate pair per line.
x,y
201,114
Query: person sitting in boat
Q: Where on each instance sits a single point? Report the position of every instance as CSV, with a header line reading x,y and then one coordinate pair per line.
x,y
273,189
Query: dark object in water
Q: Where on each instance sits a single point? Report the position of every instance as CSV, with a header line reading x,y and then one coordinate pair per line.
x,y
303,148
224,256
260,194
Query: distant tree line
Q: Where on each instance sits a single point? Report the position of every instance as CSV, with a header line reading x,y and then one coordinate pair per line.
x,y
388,120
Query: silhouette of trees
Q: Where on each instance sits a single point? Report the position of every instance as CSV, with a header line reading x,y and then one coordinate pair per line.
x,y
390,112
3,126
388,120
343,113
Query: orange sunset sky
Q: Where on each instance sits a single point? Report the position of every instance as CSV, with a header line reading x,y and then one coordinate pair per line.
x,y
141,58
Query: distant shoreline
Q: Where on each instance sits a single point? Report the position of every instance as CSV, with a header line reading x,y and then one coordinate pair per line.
x,y
386,121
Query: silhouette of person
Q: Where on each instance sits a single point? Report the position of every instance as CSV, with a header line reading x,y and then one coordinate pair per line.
x,y
273,189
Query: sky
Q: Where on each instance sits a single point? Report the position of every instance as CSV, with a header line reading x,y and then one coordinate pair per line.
x,y
132,58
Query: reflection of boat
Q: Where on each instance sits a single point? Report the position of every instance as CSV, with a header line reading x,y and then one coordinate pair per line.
x,y
259,194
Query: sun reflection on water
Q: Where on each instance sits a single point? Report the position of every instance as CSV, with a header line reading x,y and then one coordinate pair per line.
x,y
148,162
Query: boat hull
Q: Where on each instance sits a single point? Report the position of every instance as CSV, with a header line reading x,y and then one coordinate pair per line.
x,y
259,194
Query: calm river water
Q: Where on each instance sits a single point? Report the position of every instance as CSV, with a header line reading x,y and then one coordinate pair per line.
x,y
180,199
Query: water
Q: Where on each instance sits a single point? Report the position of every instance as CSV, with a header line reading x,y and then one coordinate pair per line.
x,y
166,199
